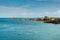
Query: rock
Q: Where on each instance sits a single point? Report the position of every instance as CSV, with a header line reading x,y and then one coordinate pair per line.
x,y
39,19
32,19
51,20
46,18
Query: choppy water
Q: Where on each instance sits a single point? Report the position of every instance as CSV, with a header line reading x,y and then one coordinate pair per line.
x,y
28,30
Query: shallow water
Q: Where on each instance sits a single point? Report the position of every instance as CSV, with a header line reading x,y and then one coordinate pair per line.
x,y
28,30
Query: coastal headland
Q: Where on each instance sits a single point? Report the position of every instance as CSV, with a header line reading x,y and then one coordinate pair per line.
x,y
47,19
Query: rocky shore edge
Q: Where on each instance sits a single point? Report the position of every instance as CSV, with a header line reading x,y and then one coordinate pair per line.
x,y
47,19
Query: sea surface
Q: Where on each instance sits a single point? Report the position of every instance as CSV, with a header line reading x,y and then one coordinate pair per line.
x,y
23,29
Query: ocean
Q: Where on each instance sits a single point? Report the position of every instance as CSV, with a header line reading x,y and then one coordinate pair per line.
x,y
23,29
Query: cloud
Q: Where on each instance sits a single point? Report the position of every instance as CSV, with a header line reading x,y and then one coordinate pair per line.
x,y
22,11
25,11
52,12
58,11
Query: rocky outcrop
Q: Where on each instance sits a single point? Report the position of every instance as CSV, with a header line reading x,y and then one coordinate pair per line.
x,y
46,18
39,19
35,19
32,19
51,20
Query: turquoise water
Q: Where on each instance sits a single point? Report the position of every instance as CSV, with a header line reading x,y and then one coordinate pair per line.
x,y
28,30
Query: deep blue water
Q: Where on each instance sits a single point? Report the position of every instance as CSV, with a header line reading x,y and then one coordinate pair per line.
x,y
20,29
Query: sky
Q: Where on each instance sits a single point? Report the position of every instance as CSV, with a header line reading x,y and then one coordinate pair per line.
x,y
29,8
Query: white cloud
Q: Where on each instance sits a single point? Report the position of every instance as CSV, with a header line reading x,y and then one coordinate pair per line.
x,y
58,11
52,13
22,11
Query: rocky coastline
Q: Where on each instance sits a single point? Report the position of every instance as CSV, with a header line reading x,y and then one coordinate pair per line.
x,y
53,20
47,19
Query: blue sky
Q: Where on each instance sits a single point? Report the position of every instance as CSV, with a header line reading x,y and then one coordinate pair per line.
x,y
29,8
